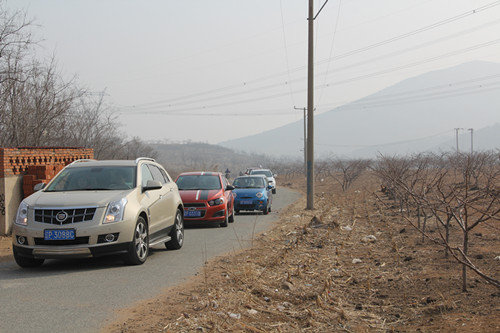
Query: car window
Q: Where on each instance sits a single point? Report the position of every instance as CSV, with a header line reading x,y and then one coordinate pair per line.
x,y
267,173
145,175
198,182
165,175
93,178
157,175
249,182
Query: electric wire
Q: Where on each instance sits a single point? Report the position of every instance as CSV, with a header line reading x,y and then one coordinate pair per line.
x,y
344,81
337,70
331,51
344,55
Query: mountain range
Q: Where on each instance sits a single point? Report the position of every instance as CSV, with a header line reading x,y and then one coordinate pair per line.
x,y
415,115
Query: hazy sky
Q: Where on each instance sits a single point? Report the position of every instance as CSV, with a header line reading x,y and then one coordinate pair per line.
x,y
221,69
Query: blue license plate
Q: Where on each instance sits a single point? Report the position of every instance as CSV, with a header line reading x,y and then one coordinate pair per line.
x,y
59,234
246,202
192,213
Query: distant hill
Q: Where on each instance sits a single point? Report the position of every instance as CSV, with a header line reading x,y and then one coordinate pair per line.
x,y
194,156
416,114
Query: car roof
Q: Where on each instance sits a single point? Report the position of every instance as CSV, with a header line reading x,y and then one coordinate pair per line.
x,y
261,169
95,163
247,176
200,173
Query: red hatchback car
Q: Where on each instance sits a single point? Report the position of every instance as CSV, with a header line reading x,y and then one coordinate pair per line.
x,y
207,196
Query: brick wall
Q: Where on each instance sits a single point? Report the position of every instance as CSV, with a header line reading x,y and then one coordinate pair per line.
x,y
22,168
15,161
38,164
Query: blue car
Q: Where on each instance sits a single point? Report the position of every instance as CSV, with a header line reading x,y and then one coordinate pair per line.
x,y
252,193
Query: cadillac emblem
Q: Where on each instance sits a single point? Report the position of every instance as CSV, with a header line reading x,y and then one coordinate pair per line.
x,y
61,216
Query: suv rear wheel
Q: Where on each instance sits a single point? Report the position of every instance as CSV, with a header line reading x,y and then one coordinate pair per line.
x,y
177,233
139,248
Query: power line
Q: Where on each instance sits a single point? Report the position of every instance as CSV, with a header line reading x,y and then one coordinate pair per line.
x,y
331,50
286,53
347,54
349,80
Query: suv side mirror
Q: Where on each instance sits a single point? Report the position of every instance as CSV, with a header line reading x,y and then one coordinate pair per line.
x,y
229,187
275,175
152,185
39,186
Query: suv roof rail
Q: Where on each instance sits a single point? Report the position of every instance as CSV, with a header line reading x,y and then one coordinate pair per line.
x,y
82,160
145,159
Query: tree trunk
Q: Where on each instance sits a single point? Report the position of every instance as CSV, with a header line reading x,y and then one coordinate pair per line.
x,y
464,268
447,235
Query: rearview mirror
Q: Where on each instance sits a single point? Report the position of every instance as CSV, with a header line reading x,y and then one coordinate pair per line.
x,y
152,185
39,187
229,187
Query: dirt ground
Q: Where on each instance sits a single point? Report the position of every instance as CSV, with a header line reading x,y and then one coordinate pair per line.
x,y
314,272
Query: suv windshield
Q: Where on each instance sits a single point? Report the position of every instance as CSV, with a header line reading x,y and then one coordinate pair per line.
x,y
249,182
261,172
94,178
198,182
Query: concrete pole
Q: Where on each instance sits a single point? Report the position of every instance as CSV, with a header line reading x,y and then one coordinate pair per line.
x,y
471,140
310,109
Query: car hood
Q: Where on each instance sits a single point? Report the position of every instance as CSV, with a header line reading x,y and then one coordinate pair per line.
x,y
75,198
248,192
199,195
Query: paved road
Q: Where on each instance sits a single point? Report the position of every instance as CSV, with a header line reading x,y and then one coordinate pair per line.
x,y
81,295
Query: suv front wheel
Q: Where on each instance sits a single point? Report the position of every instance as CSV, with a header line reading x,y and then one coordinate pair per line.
x,y
177,233
26,262
139,248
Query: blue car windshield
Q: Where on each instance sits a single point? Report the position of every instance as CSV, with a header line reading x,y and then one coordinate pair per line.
x,y
249,182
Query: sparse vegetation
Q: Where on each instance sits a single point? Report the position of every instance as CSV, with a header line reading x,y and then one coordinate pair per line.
x,y
40,108
353,264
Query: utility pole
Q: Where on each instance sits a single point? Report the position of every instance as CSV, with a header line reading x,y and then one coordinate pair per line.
x,y
456,137
310,109
305,139
471,130
310,105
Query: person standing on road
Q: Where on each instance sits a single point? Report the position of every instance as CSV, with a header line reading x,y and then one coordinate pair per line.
x,y
228,173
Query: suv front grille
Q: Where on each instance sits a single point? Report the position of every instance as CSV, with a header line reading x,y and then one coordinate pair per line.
x,y
195,204
64,216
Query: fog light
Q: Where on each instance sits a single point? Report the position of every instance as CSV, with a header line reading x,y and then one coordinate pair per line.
x,y
21,240
109,238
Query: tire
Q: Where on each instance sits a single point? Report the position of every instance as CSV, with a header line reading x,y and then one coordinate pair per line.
x,y
274,191
265,211
225,223
269,209
177,233
231,218
139,248
26,262
236,212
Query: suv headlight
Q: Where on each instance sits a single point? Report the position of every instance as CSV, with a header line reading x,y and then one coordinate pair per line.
x,y
216,202
22,214
115,211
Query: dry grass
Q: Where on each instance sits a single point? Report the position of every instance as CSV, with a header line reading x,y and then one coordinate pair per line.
x,y
300,276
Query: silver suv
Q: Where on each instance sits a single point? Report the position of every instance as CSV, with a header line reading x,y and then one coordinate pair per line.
x,y
94,208
271,178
